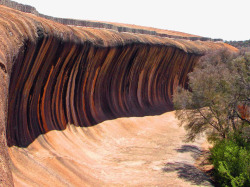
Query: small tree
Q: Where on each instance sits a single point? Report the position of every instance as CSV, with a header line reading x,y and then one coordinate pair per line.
x,y
217,100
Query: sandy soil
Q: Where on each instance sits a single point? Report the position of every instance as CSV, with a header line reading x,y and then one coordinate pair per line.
x,y
135,151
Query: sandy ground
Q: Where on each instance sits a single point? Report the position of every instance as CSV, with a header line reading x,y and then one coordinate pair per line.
x,y
136,151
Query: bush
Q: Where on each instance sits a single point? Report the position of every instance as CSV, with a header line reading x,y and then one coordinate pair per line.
x,y
231,160
217,99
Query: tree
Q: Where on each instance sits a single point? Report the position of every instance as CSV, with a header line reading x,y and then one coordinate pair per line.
x,y
217,98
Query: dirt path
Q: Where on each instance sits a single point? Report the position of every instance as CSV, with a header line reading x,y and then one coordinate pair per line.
x,y
136,151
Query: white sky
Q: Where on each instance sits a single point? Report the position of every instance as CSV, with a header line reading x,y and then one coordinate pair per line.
x,y
225,19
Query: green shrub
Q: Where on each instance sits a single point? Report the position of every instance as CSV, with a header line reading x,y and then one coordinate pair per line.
x,y
231,160
217,99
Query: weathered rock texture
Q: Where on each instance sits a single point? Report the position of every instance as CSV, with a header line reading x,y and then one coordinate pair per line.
x,y
53,75
114,26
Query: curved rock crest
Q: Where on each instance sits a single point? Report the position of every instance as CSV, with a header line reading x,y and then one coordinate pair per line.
x,y
54,75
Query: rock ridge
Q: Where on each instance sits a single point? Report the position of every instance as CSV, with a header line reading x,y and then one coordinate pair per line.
x,y
106,25
54,75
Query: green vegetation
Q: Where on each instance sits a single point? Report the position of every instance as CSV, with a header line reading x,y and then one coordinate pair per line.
x,y
231,160
217,103
239,44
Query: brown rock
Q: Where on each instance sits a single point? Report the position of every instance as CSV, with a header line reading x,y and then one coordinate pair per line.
x,y
53,75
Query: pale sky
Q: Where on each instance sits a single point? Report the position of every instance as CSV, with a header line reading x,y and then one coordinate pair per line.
x,y
225,19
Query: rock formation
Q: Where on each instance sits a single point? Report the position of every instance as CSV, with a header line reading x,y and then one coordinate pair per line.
x,y
53,75
106,25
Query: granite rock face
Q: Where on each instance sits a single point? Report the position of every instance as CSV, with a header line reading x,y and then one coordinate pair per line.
x,y
54,74
119,27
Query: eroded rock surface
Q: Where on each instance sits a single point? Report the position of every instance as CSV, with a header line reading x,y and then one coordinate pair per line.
x,y
53,75
134,151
